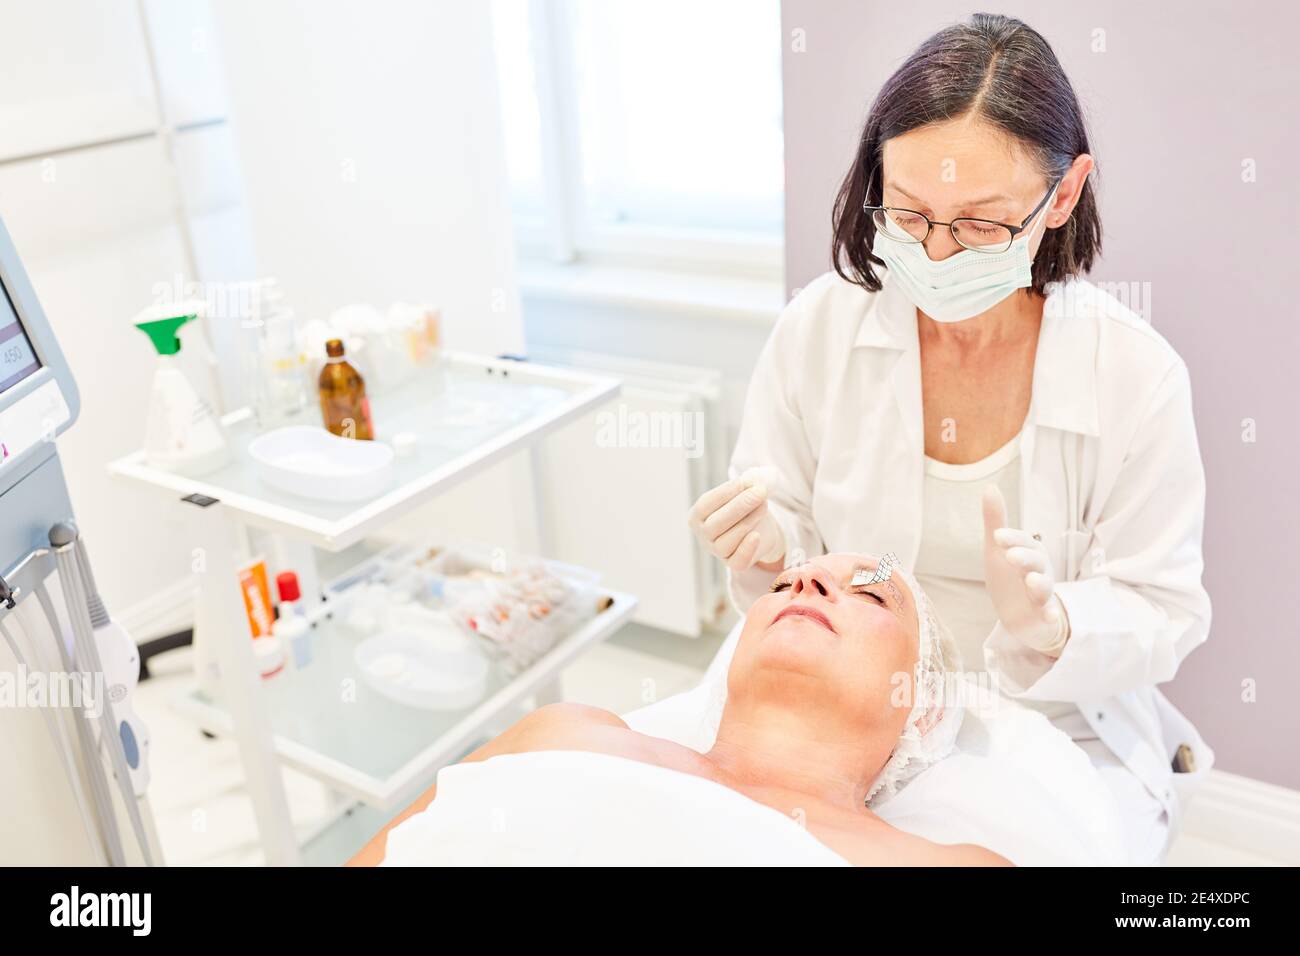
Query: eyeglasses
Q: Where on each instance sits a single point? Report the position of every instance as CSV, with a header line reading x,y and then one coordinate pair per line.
x,y
978,235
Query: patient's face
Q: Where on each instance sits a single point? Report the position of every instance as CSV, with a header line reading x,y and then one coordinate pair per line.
x,y
821,641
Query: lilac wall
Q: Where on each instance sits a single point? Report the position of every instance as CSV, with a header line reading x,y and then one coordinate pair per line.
x,y
1180,97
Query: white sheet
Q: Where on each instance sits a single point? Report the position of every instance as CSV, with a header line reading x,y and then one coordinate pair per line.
x,y
1024,797
565,808
1016,785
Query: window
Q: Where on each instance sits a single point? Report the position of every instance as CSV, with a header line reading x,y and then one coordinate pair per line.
x,y
519,111
646,131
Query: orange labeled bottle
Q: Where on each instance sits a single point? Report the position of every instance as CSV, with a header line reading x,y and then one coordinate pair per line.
x,y
343,402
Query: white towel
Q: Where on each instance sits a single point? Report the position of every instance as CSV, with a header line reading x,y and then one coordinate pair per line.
x,y
561,808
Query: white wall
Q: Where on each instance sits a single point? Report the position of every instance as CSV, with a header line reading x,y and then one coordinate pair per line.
x,y
370,146
89,195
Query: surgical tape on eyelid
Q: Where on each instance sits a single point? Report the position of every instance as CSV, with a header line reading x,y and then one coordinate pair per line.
x,y
883,572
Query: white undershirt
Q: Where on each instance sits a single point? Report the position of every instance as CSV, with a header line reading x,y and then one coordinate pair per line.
x,y
950,563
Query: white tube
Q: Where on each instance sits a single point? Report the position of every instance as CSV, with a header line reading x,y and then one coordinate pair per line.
x,y
70,575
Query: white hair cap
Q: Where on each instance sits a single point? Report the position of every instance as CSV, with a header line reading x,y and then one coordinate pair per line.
x,y
932,725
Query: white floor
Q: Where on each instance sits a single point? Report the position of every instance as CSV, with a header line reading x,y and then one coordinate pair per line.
x,y
205,818
1191,850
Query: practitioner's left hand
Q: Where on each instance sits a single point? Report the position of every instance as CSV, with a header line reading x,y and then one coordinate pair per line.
x,y
1019,578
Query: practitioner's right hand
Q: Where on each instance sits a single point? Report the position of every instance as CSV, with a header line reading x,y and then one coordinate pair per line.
x,y
735,524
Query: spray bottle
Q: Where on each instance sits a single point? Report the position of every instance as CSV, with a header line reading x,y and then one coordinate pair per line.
x,y
182,435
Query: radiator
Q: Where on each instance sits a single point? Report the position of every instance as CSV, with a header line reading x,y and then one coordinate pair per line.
x,y
616,486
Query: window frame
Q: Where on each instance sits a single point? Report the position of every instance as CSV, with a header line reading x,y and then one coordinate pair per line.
x,y
564,234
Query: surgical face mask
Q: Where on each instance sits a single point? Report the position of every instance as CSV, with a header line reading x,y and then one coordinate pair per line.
x,y
963,285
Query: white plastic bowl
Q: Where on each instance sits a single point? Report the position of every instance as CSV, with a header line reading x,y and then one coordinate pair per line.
x,y
408,667
308,461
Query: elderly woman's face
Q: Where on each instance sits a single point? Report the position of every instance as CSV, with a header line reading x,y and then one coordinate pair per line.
x,y
857,644
962,168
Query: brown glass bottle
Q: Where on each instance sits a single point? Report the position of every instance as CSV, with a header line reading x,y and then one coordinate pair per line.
x,y
343,402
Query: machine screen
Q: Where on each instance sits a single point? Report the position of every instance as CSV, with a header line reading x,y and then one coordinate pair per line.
x,y
17,357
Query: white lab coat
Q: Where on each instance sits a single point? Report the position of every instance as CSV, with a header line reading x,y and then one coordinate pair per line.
x,y
1111,477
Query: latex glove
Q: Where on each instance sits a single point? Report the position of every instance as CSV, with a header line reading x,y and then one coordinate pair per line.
x,y
1019,578
735,524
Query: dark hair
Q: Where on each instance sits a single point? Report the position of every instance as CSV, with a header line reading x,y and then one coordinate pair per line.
x,y
1007,74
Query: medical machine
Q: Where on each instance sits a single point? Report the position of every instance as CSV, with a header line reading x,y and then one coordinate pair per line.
x,y
74,751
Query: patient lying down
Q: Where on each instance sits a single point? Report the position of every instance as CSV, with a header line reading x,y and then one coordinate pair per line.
x,y
833,698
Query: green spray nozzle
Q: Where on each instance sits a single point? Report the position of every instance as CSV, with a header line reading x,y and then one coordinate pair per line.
x,y
162,328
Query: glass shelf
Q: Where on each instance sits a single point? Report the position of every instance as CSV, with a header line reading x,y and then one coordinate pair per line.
x,y
329,723
465,413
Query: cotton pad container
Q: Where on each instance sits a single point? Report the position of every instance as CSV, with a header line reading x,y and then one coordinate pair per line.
x,y
432,669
